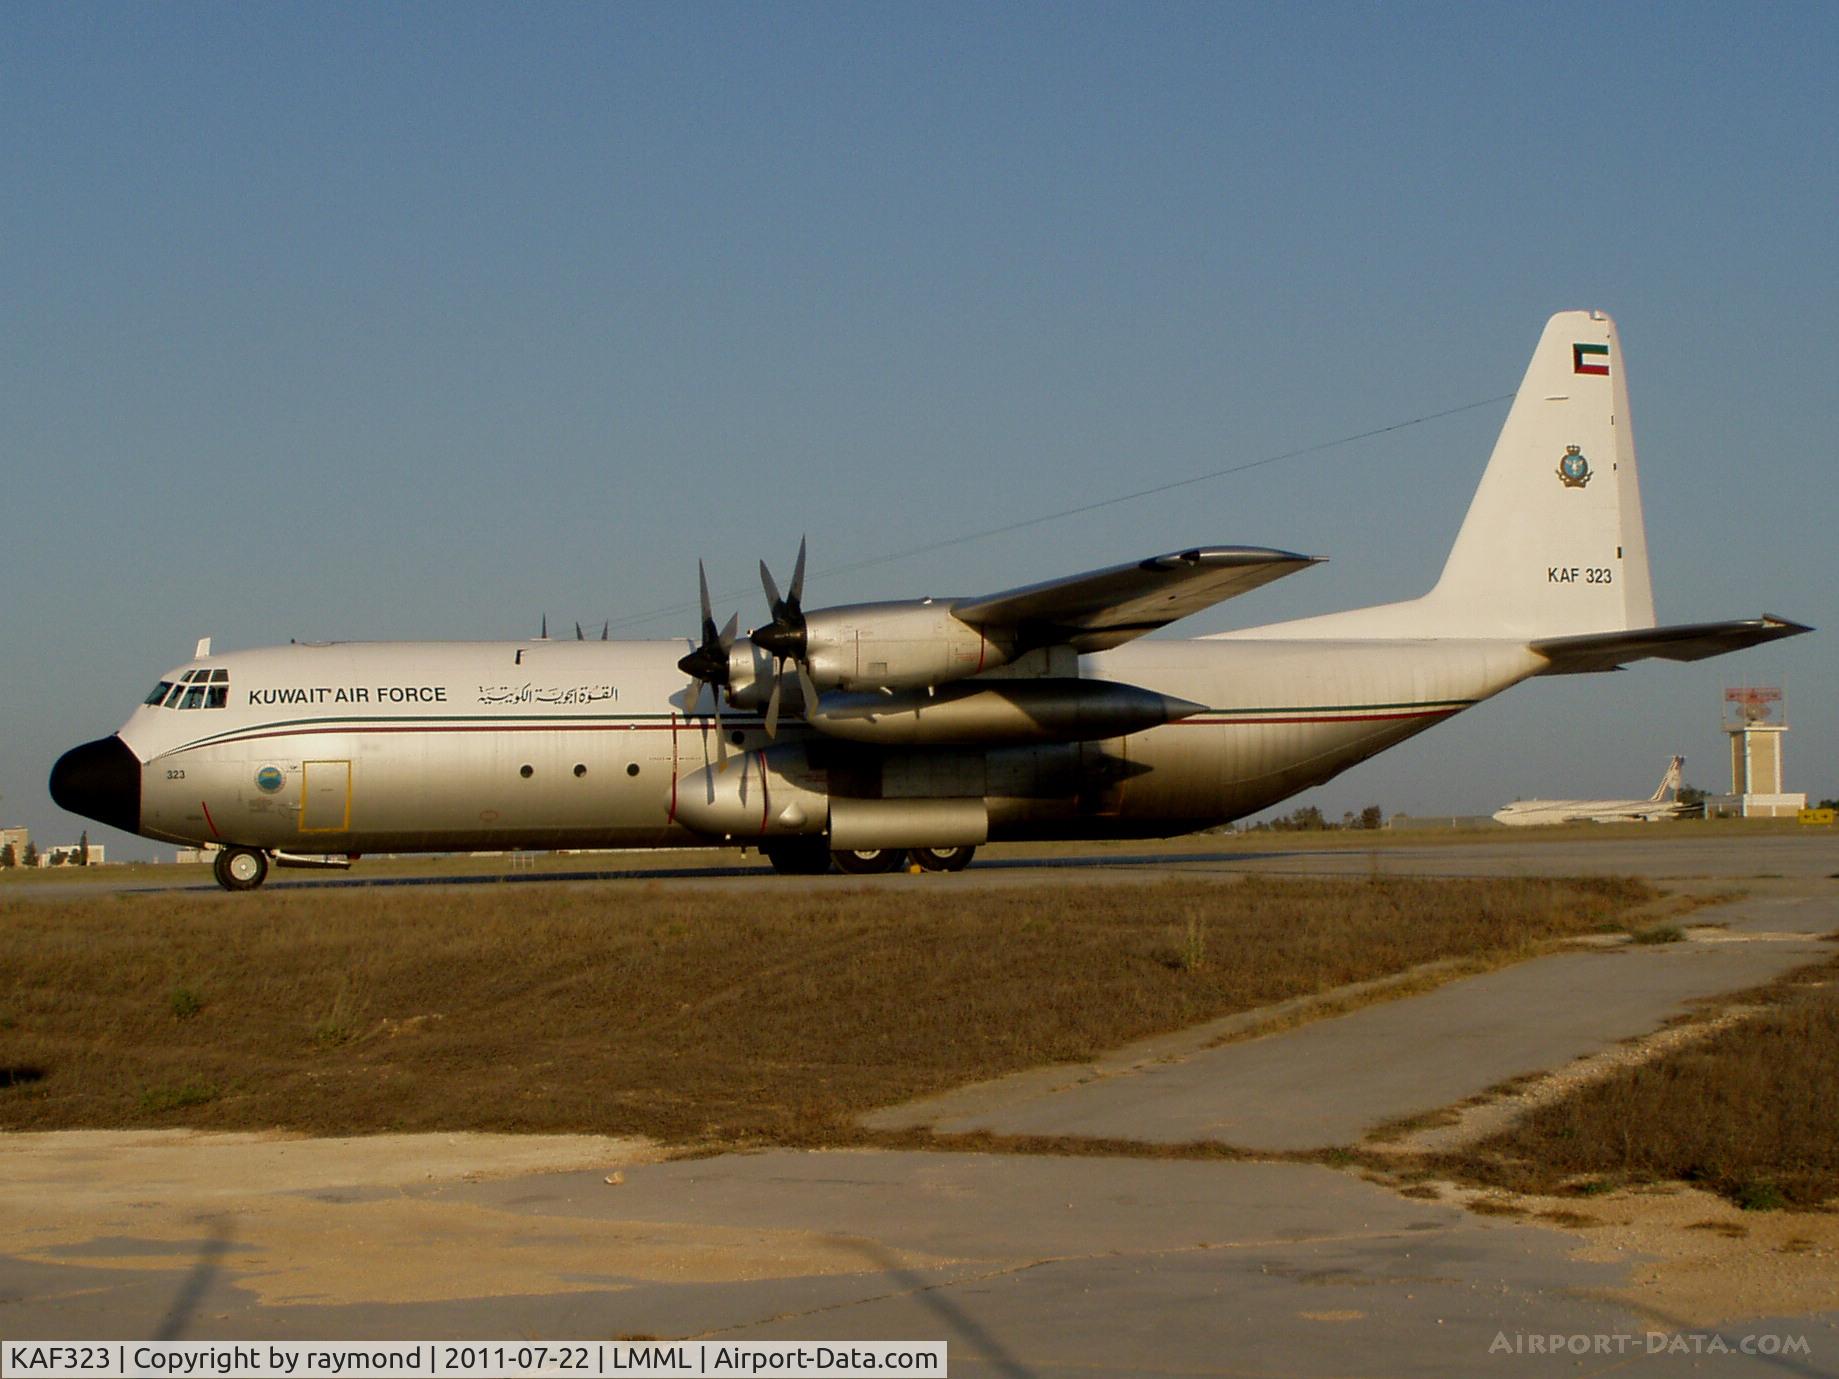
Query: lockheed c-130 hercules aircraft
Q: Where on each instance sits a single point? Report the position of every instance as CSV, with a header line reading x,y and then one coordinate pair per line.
x,y
872,733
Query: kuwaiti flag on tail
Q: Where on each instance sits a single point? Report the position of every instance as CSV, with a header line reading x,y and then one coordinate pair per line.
x,y
1590,359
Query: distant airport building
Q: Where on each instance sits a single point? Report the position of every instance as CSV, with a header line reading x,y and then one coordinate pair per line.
x,y
1410,822
1756,719
68,854
16,838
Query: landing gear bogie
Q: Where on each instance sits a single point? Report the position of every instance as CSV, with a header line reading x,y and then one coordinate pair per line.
x,y
810,857
870,861
943,859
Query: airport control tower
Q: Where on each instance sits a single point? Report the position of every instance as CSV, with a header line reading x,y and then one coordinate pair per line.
x,y
1756,718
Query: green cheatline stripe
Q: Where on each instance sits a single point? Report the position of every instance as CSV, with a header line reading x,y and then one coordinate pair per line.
x,y
564,719
1591,349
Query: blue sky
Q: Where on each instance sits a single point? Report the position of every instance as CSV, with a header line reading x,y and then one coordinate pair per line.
x,y
423,321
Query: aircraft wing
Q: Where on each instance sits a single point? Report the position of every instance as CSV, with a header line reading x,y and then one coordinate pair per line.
x,y
1105,608
1683,642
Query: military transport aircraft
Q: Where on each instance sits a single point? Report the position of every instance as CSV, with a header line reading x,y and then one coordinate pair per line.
x,y
1662,804
871,734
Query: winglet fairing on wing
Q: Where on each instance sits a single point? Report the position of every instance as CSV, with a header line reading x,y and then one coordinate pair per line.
x,y
919,728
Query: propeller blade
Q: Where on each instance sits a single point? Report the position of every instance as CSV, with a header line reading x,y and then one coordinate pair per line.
x,y
798,577
605,627
690,696
543,636
578,636
808,688
772,707
707,664
772,590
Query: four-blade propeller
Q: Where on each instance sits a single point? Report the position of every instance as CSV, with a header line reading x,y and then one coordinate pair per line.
x,y
708,664
784,638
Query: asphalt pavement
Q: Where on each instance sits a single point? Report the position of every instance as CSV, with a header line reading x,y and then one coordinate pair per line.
x,y
1025,1265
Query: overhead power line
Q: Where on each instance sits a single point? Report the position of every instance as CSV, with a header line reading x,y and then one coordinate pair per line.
x,y
945,543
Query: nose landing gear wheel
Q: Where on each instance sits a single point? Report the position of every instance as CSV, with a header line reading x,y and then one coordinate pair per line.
x,y
944,859
240,869
872,861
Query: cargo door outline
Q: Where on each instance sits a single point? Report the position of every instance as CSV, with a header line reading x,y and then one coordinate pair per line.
x,y
325,797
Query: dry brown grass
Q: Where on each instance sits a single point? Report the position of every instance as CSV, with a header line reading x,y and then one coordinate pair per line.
x,y
1489,1206
705,1016
1570,1220
1750,1112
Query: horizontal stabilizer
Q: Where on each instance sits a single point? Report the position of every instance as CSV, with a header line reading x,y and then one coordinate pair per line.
x,y
1105,608
1684,642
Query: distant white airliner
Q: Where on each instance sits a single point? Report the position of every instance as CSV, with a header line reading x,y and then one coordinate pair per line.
x,y
918,729
1662,804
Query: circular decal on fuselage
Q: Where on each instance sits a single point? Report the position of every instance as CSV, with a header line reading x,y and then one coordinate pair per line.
x,y
269,779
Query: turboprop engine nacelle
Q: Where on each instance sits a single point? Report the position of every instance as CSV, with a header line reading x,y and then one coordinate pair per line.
x,y
750,676
769,794
914,644
906,645
777,794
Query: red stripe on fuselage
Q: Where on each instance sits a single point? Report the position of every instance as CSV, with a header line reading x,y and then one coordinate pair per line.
x,y
671,817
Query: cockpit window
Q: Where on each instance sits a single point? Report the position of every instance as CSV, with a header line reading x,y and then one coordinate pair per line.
x,y
205,687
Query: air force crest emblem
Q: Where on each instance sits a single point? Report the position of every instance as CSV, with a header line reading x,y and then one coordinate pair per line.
x,y
1573,469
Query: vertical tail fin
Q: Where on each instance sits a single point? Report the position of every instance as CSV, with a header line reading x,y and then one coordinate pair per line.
x,y
1670,782
1553,544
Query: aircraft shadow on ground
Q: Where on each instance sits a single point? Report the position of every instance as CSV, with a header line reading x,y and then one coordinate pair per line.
x,y
739,872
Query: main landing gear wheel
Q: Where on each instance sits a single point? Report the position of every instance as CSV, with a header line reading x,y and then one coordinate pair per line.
x,y
944,859
799,857
868,863
240,869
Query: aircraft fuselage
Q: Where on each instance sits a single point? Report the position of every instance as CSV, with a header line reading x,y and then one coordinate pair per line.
x,y
378,747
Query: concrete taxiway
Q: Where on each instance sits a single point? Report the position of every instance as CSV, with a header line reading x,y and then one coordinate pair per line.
x,y
1025,1265
1331,1081
1673,854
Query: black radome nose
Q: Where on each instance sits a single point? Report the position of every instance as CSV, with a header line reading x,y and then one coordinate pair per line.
x,y
100,780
